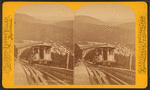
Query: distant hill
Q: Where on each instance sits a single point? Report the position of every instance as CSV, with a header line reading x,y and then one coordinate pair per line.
x,y
68,24
89,30
29,28
88,19
86,29
27,18
129,25
91,20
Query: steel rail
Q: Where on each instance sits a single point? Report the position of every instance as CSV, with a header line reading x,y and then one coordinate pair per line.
x,y
116,78
36,76
112,77
60,81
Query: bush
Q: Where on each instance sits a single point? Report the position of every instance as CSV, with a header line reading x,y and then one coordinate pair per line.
x,y
89,55
61,60
124,61
25,54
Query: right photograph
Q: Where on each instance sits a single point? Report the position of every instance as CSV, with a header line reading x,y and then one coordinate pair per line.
x,y
104,37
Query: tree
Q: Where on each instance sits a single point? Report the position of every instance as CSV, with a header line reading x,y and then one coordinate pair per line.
x,y
25,54
89,55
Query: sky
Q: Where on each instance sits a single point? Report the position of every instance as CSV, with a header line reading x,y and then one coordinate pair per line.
x,y
104,12
47,11
108,12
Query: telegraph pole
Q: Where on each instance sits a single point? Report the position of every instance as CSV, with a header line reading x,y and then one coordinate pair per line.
x,y
130,59
68,53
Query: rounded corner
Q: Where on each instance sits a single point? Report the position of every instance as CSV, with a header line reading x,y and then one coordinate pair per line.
x,y
68,7
4,85
145,3
146,86
3,3
81,7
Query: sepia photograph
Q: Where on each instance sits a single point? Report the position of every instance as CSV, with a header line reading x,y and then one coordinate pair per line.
x,y
74,45
43,51
56,46
104,45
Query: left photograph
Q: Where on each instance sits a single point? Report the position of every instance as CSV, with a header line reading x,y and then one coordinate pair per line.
x,y
43,51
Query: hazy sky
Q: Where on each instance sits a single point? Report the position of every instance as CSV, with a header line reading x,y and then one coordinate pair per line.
x,y
104,12
108,12
47,11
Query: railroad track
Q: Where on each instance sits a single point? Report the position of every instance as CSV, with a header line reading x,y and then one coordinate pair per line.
x,y
96,77
63,74
40,77
103,77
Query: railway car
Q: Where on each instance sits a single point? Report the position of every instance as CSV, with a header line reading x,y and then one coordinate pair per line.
x,y
103,55
40,53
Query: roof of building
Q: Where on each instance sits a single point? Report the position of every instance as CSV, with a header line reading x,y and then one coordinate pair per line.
x,y
106,46
44,44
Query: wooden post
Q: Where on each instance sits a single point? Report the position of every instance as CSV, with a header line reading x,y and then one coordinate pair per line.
x,y
130,59
68,59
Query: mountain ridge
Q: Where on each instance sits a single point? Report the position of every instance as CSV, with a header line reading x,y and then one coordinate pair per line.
x,y
28,18
40,31
92,20
89,32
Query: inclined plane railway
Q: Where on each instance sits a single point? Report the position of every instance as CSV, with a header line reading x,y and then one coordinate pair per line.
x,y
106,75
40,75
99,74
